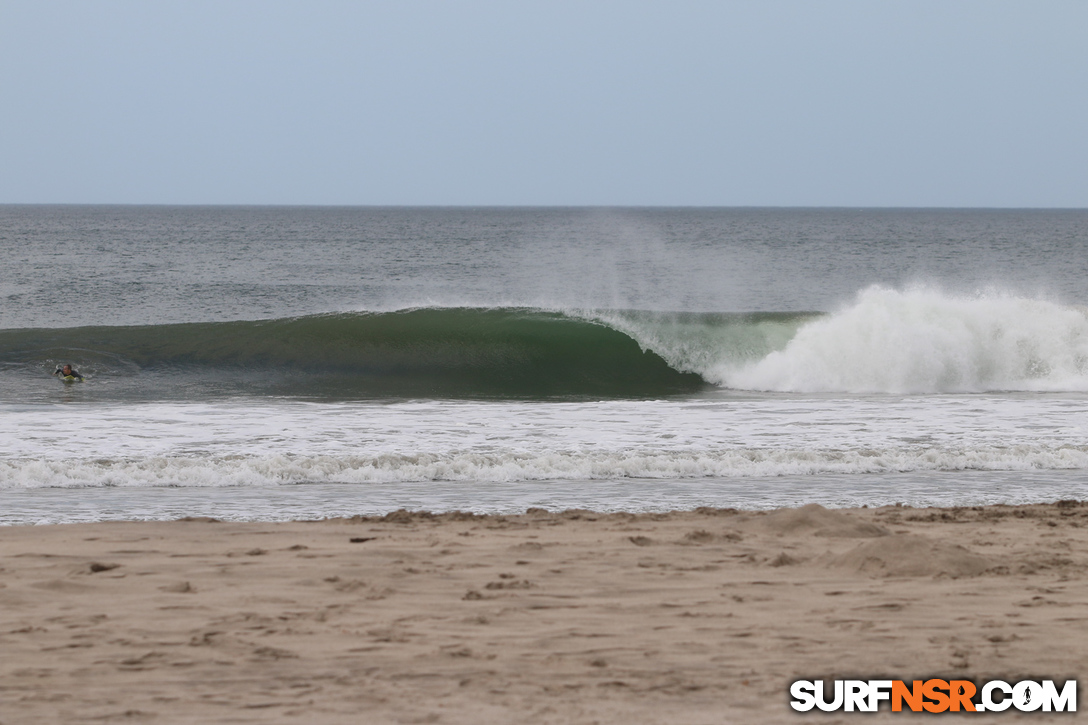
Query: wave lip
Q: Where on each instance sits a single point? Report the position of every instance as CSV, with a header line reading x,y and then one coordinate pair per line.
x,y
925,341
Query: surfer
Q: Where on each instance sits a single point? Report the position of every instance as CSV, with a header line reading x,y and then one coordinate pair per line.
x,y
68,372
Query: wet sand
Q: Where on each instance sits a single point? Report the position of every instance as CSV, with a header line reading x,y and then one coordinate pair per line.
x,y
691,617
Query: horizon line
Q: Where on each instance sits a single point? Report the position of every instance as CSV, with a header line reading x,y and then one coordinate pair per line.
x,y
859,207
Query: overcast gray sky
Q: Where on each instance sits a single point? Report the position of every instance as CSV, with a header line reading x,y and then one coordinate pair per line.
x,y
867,103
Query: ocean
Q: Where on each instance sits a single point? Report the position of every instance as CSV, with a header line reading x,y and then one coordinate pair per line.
x,y
272,363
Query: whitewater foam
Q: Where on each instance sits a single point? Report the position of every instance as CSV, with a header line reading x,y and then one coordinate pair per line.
x,y
238,443
509,467
925,341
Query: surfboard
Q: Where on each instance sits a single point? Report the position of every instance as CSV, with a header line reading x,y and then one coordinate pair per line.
x,y
71,379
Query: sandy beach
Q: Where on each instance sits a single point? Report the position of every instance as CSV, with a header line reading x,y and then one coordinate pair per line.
x,y
703,616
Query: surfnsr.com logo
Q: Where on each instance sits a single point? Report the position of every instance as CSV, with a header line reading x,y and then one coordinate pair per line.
x,y
934,696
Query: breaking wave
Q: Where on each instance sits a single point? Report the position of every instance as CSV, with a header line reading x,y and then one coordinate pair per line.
x,y
885,341
923,341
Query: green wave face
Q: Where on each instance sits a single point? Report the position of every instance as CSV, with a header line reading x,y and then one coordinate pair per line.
x,y
452,353
708,342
